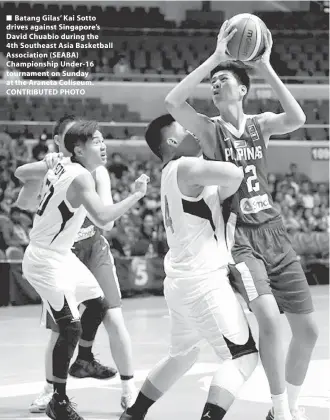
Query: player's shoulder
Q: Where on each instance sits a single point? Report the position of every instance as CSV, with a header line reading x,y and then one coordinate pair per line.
x,y
186,164
100,173
83,180
260,118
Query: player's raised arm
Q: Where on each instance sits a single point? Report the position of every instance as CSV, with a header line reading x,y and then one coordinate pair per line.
x,y
293,116
198,124
103,189
82,192
226,175
29,196
37,170
32,175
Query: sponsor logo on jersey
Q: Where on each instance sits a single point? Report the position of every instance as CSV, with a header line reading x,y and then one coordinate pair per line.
x,y
227,139
255,204
239,143
246,153
85,233
253,132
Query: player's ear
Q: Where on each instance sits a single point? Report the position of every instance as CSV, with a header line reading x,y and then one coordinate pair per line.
x,y
56,140
78,151
171,141
243,90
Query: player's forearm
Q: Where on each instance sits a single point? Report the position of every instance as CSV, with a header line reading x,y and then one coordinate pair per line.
x,y
112,212
289,104
30,171
28,197
182,91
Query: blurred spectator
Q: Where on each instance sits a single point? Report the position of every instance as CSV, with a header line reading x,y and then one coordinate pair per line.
x,y
305,196
309,221
40,149
122,66
148,242
272,184
290,222
321,195
297,177
21,152
8,200
15,233
144,242
290,197
121,236
117,166
6,146
152,199
4,176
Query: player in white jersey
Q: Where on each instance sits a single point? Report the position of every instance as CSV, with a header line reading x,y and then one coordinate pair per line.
x,y
201,303
93,250
62,281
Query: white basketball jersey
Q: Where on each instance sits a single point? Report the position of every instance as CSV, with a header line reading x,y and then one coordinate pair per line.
x,y
56,223
194,228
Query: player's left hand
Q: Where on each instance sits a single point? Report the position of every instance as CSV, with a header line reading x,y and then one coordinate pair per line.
x,y
141,184
52,159
265,58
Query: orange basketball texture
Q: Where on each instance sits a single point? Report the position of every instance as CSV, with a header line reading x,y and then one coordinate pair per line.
x,y
248,42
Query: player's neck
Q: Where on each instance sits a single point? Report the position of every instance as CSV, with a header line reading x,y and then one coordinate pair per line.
x,y
168,157
83,163
232,113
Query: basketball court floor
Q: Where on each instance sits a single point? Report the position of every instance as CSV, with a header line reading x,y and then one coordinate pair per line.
x,y
22,345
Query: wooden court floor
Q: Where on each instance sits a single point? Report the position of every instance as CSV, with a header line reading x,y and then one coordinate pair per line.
x,y
22,344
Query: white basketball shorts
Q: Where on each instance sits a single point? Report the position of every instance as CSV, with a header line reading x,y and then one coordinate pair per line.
x,y
57,276
206,309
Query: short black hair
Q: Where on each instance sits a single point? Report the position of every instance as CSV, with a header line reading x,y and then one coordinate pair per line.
x,y
60,124
238,70
80,132
154,136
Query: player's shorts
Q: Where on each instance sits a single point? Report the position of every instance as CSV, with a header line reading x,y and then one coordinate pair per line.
x,y
207,309
59,279
264,262
95,254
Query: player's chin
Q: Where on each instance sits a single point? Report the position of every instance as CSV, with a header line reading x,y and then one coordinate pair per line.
x,y
216,98
104,159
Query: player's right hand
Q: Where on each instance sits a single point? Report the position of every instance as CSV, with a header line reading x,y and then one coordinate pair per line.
x,y
52,159
140,185
227,31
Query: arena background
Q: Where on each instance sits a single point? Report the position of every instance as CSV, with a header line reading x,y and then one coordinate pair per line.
x,y
154,44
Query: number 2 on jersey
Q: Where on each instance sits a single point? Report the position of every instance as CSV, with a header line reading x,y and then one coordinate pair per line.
x,y
45,199
168,219
251,181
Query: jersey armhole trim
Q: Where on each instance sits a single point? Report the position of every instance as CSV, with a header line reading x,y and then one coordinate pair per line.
x,y
255,120
186,197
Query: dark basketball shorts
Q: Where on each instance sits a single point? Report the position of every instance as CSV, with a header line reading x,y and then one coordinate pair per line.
x,y
264,262
95,254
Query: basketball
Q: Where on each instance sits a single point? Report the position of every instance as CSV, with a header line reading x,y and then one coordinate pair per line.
x,y
248,42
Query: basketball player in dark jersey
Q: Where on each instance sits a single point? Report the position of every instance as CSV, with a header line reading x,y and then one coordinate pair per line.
x,y
266,269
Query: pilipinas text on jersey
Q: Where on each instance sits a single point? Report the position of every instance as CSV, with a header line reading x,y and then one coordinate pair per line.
x,y
252,203
194,228
56,223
